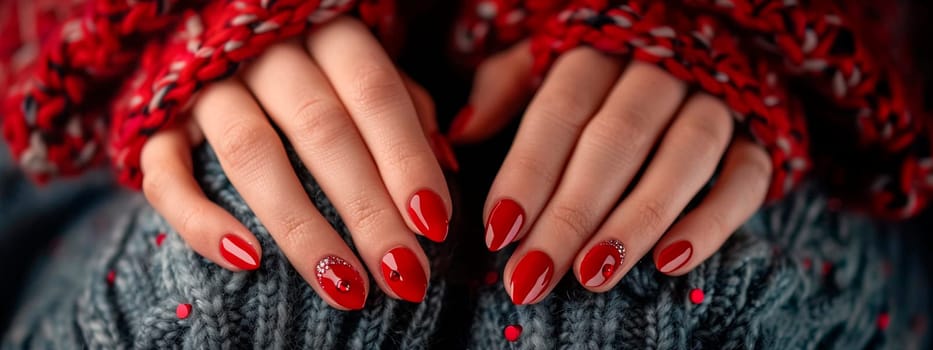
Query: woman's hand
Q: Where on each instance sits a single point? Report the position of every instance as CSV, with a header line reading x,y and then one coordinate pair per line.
x,y
606,159
353,119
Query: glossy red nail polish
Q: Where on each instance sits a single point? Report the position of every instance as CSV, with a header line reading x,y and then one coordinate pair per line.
x,y
444,153
239,252
404,275
601,263
505,222
674,256
341,282
458,125
531,277
429,214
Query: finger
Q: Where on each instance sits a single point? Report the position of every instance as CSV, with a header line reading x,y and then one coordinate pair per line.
x,y
300,101
372,91
684,162
610,151
170,188
254,160
738,193
501,86
570,96
424,106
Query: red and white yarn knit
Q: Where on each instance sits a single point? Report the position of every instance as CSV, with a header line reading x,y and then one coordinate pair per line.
x,y
158,54
742,51
61,108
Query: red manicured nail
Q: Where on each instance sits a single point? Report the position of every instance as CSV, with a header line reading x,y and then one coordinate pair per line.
x,y
239,252
444,153
404,275
601,262
458,125
429,214
505,222
674,256
531,277
341,282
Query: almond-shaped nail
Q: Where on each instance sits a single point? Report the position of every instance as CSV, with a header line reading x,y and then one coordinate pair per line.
x,y
601,263
674,256
404,274
341,282
505,222
531,277
427,210
239,252
459,124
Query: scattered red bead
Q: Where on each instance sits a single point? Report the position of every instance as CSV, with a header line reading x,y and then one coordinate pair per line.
x,y
697,296
183,311
111,276
883,321
491,278
886,268
159,238
918,323
827,268
512,332
807,263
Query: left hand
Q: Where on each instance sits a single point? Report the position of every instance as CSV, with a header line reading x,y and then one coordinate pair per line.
x,y
606,159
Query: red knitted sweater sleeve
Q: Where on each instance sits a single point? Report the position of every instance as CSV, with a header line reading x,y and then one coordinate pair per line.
x,y
750,54
104,75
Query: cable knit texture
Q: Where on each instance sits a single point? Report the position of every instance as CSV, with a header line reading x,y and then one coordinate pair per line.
x,y
797,276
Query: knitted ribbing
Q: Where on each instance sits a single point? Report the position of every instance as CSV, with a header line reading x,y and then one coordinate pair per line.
x,y
797,276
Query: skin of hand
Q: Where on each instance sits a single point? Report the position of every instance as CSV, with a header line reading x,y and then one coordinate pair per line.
x,y
366,133
607,156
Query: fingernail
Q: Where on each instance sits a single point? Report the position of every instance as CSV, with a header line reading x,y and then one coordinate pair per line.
x,y
601,262
404,275
341,282
239,252
505,222
458,125
429,214
674,256
444,153
531,277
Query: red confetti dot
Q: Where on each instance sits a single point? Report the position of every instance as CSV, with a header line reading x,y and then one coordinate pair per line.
x,y
183,311
512,332
491,278
807,263
883,321
111,276
827,268
159,238
697,296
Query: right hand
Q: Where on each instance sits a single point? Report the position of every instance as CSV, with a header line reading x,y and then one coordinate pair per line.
x,y
353,119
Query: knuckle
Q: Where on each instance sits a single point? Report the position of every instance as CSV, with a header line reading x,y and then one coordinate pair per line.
x,y
572,221
319,123
650,215
293,228
562,107
530,166
364,213
378,85
757,161
241,144
404,156
705,135
634,119
190,221
617,143
718,225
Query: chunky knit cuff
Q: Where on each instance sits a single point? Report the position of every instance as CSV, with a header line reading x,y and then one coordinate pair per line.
x,y
159,54
745,53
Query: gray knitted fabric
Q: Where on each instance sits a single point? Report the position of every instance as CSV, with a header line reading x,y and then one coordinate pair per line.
x,y
766,288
